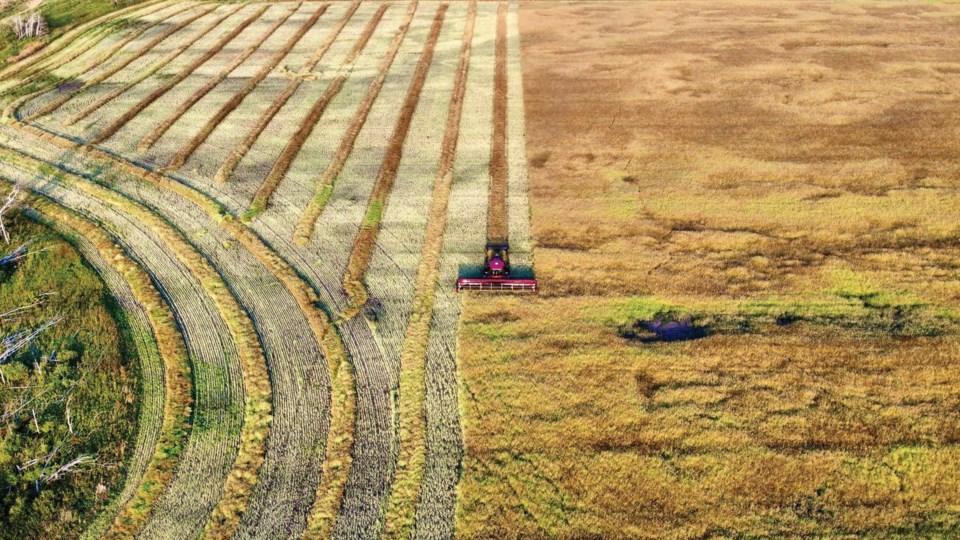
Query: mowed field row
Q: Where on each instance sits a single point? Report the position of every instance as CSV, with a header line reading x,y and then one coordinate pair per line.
x,y
319,172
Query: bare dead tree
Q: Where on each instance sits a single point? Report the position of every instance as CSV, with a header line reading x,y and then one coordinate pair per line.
x,y
28,25
10,203
19,340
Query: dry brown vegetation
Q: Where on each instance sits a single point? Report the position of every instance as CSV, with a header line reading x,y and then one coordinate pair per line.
x,y
785,175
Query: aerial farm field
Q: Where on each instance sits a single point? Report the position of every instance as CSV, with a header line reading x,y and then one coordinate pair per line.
x,y
743,219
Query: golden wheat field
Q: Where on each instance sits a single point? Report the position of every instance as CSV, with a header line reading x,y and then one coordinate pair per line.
x,y
782,174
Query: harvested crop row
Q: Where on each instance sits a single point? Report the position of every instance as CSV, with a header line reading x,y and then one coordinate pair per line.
x,y
218,379
287,340
463,242
499,168
110,130
185,106
399,521
238,98
292,194
239,484
324,186
98,53
238,153
290,151
37,61
163,62
363,246
33,91
163,366
126,61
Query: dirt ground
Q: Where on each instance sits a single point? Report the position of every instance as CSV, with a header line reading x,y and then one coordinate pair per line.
x,y
786,172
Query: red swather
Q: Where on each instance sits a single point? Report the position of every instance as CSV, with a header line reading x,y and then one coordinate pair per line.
x,y
496,274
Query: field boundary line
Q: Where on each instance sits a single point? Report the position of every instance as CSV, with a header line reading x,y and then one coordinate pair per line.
x,y
152,137
370,227
290,152
338,452
238,153
188,149
225,517
162,63
324,187
167,85
120,65
400,518
175,372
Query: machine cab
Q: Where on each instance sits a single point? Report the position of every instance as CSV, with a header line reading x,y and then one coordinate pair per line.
x,y
497,265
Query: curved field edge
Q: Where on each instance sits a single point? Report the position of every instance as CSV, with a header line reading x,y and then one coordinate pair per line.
x,y
165,383
338,449
256,416
32,62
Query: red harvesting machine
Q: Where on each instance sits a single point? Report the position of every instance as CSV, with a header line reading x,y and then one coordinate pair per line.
x,y
496,274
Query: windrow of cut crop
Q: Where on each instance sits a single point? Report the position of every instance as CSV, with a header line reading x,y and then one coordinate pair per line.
x,y
37,62
166,60
219,420
280,167
187,104
257,417
277,327
363,246
126,61
60,67
497,223
184,154
463,245
32,91
164,370
169,83
238,153
324,187
399,520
